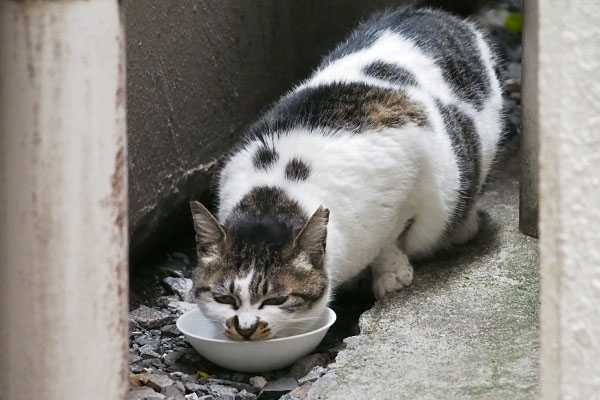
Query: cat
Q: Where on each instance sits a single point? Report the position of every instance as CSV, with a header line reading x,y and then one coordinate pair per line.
x,y
377,157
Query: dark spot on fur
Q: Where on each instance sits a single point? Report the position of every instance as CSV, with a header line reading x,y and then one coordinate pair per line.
x,y
297,170
466,146
391,73
262,223
354,107
265,157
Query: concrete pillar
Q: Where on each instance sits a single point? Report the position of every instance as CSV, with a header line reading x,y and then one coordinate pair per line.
x,y
63,191
569,128
529,193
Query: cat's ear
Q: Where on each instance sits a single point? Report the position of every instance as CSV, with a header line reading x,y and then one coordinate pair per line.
x,y
208,230
312,238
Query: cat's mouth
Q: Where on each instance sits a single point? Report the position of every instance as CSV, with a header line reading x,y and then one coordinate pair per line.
x,y
260,331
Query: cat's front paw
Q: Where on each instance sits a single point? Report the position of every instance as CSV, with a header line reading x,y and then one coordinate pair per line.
x,y
391,281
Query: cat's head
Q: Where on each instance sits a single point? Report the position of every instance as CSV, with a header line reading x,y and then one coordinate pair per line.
x,y
260,277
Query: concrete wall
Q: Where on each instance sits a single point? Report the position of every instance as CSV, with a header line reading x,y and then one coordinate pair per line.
x,y
197,73
568,113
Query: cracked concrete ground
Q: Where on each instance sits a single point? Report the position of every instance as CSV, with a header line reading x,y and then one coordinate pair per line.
x,y
466,328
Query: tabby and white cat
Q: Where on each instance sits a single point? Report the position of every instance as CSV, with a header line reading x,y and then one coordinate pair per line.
x,y
377,157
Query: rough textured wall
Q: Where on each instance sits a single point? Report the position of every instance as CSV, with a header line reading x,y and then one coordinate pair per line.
x,y
569,126
197,73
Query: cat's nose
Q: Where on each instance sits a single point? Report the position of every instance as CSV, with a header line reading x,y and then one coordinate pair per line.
x,y
245,332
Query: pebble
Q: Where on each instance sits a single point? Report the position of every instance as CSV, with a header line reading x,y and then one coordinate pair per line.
x,y
193,387
133,358
222,390
239,386
313,375
157,382
182,287
191,396
170,330
172,357
278,388
206,397
172,393
181,307
145,340
298,393
258,381
146,352
149,318
144,393
244,395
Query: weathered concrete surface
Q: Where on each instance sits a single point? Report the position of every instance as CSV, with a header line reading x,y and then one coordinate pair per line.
x,y
466,328
197,74
569,122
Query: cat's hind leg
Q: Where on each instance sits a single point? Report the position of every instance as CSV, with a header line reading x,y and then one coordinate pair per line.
x,y
467,229
391,271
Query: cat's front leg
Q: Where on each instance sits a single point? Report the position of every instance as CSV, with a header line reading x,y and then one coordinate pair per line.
x,y
391,271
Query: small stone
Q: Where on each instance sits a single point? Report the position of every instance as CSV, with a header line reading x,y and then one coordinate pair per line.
x,y
239,386
305,364
157,382
133,325
278,388
180,387
182,287
133,358
244,395
147,352
192,387
165,300
298,393
258,381
192,396
172,393
147,340
136,369
181,307
149,318
313,375
220,391
170,330
144,393
172,357
206,397
188,378
135,379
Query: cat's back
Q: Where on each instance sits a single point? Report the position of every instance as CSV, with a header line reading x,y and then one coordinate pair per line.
x,y
419,40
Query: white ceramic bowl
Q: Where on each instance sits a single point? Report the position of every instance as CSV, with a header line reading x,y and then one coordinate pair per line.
x,y
259,356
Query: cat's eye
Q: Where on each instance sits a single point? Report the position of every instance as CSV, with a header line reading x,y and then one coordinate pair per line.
x,y
225,300
275,301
